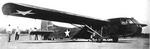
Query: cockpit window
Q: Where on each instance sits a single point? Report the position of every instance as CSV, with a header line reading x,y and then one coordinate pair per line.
x,y
130,21
134,21
123,22
127,21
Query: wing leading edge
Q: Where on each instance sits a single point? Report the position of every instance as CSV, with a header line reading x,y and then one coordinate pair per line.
x,y
29,11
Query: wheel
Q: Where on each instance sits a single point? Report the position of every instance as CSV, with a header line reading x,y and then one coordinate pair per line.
x,y
92,39
99,40
115,39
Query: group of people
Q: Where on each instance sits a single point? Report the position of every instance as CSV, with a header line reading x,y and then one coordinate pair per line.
x,y
16,35
10,32
17,31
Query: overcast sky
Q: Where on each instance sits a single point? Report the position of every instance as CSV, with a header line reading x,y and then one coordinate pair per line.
x,y
99,9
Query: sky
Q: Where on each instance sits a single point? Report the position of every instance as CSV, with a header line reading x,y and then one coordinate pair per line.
x,y
98,9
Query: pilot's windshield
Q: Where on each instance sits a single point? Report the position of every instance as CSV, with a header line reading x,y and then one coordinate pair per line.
x,y
135,21
128,21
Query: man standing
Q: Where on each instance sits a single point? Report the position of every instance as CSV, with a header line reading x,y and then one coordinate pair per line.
x,y
29,32
17,32
36,35
9,31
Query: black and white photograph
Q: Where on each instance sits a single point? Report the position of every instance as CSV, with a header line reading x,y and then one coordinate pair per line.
x,y
74,24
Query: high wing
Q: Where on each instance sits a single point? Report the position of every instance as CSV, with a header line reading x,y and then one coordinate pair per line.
x,y
29,11
23,10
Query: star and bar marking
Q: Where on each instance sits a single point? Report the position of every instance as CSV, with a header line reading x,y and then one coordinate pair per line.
x,y
24,12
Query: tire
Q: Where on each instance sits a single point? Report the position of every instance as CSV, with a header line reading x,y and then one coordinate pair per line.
x,y
115,39
92,39
99,40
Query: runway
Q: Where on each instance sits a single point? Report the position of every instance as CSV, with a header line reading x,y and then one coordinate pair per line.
x,y
127,43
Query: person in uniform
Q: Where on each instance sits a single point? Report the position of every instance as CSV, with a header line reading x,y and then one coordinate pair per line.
x,y
9,35
17,32
29,32
36,35
9,31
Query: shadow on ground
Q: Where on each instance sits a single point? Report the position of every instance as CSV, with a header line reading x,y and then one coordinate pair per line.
x,y
73,42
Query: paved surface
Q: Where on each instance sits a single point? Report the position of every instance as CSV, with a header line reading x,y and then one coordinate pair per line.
x,y
25,43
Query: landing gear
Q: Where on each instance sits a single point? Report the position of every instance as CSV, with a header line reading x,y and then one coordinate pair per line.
x,y
99,40
115,39
96,39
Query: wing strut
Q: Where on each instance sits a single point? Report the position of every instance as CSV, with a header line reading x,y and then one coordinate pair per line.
x,y
94,31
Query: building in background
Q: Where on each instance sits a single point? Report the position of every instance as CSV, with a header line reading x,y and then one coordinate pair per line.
x,y
2,31
47,26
